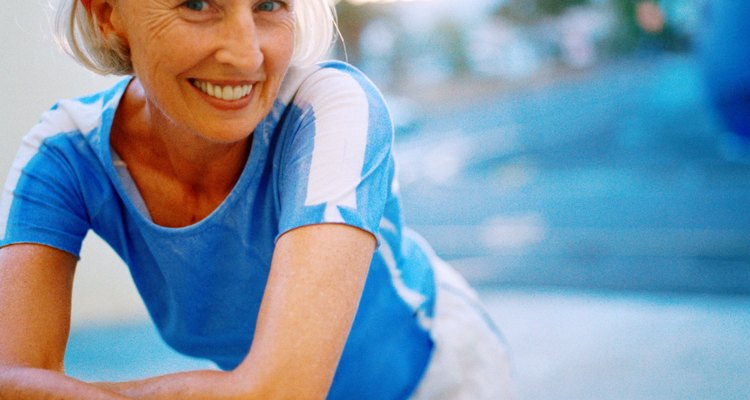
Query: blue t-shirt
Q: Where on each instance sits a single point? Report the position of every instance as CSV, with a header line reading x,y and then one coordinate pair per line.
x,y
322,155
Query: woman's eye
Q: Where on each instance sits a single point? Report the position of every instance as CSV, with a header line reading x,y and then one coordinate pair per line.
x,y
196,5
268,6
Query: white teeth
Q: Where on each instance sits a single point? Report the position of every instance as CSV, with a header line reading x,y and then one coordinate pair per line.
x,y
228,93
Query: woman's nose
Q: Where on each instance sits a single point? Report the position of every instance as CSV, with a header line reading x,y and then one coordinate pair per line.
x,y
240,42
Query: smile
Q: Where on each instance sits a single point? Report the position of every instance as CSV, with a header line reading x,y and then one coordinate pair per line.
x,y
228,92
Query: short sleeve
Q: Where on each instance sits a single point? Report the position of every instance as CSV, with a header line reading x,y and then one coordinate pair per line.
x,y
41,203
336,164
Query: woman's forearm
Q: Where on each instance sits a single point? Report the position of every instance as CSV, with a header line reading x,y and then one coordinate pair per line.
x,y
34,383
193,385
211,385
22,383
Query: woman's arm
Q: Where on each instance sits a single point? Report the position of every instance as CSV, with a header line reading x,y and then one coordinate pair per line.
x,y
317,277
316,281
35,292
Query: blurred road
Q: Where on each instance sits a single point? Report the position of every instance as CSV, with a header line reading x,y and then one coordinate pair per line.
x,y
611,178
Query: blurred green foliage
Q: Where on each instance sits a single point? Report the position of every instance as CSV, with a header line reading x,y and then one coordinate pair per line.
x,y
627,36
532,10
530,32
630,36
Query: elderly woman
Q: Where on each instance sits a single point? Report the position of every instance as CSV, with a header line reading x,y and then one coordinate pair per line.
x,y
252,194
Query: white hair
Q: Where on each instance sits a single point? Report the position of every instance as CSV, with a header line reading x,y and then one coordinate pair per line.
x,y
316,30
78,34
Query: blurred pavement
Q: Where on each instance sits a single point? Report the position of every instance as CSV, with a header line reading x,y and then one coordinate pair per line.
x,y
591,345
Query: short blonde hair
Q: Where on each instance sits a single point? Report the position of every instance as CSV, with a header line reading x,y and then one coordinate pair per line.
x,y
78,34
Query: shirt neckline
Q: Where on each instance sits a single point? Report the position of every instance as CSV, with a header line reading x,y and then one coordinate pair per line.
x,y
247,175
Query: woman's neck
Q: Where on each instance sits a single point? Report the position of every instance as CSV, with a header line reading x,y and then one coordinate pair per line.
x,y
173,166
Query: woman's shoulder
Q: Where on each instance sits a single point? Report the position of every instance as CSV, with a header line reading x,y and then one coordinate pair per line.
x,y
70,132
82,114
326,80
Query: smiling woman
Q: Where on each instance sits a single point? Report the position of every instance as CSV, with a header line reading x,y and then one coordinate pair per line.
x,y
252,194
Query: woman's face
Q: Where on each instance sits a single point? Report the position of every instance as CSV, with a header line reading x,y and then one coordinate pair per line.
x,y
213,67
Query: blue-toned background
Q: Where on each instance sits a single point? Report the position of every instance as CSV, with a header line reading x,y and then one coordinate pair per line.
x,y
577,168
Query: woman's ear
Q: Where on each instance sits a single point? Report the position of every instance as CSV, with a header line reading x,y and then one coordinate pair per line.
x,y
106,15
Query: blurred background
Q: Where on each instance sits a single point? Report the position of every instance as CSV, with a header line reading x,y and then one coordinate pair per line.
x,y
584,163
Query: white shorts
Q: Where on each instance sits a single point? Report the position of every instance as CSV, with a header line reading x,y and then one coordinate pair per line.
x,y
469,360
